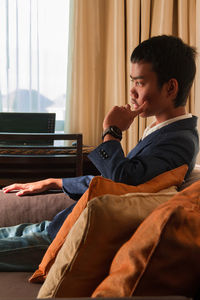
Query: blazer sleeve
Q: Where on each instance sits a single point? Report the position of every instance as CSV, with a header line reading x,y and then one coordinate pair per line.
x,y
155,157
75,187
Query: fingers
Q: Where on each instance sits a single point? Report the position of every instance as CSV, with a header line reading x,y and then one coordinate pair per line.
x,y
24,192
122,107
13,187
140,109
122,116
127,106
23,189
137,110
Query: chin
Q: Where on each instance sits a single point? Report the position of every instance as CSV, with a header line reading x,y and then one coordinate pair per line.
x,y
146,114
143,115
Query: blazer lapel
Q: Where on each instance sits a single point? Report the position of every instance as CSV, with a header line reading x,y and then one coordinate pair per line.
x,y
190,124
140,146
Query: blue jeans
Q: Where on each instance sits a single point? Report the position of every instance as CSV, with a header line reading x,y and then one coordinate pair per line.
x,y
23,246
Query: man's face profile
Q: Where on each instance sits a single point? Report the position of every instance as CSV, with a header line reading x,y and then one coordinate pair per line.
x,y
145,88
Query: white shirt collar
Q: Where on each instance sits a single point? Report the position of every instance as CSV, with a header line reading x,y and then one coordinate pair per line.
x,y
151,128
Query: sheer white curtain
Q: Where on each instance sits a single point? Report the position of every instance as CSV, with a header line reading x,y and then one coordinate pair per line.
x,y
33,56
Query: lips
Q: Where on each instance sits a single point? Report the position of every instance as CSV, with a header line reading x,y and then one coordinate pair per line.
x,y
135,103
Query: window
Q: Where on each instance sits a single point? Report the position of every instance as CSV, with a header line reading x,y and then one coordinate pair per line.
x,y
33,56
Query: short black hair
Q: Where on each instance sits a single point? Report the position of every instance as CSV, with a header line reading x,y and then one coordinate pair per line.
x,y
170,58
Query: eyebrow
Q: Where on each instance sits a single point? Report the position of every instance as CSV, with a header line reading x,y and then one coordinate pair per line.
x,y
137,77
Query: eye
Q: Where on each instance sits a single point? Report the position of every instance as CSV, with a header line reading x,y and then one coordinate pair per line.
x,y
139,83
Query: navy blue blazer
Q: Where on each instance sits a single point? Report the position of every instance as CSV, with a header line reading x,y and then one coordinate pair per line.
x,y
162,150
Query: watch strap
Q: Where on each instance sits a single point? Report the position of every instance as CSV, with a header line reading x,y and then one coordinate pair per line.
x,y
114,131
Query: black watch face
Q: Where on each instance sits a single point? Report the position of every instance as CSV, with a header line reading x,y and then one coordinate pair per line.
x,y
116,130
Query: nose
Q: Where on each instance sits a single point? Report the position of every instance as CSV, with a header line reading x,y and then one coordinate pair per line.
x,y
133,93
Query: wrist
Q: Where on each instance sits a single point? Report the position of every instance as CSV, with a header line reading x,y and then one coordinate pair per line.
x,y
112,131
109,137
54,183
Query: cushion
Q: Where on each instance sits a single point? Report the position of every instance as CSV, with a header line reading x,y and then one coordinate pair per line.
x,y
31,209
105,224
193,177
15,285
100,186
163,256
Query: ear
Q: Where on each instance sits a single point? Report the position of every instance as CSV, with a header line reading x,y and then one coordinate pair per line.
x,y
172,88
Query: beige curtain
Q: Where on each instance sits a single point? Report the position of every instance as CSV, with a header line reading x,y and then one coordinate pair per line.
x,y
97,64
103,35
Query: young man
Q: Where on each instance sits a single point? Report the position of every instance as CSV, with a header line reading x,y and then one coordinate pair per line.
x,y
162,72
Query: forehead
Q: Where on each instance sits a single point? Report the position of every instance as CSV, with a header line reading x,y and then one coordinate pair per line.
x,y
142,69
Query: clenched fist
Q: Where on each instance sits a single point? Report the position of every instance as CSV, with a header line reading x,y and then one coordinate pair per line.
x,y
121,116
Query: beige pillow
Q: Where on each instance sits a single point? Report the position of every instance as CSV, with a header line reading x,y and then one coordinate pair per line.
x,y
105,224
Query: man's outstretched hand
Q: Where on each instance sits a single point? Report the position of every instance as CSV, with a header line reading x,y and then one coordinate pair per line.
x,y
34,187
122,116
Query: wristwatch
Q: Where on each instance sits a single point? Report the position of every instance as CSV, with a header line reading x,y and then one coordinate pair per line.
x,y
114,131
